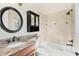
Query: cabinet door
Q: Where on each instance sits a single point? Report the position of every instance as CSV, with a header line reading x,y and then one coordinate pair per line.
x,y
32,21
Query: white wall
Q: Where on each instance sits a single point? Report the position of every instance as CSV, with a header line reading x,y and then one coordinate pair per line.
x,y
76,40
22,9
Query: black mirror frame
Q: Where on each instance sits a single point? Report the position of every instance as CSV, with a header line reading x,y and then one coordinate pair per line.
x,y
2,24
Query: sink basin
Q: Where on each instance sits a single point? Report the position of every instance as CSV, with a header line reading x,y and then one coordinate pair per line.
x,y
16,45
11,48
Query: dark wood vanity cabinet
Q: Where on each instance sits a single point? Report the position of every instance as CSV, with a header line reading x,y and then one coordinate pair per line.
x,y
28,51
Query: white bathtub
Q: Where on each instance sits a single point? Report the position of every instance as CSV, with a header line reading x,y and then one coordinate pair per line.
x,y
53,49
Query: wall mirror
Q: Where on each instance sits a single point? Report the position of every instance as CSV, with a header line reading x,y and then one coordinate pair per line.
x,y
32,21
10,19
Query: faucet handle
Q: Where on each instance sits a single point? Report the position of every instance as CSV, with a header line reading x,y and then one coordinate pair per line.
x,y
14,39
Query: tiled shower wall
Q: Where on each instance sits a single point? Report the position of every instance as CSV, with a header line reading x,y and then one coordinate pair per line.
x,y
56,27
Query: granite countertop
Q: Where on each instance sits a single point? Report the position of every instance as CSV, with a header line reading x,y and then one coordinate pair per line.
x,y
8,51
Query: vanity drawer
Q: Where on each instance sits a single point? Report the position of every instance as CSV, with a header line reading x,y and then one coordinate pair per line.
x,y
25,52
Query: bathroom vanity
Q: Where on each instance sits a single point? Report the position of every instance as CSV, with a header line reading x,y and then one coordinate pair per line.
x,y
26,46
18,46
27,51
19,49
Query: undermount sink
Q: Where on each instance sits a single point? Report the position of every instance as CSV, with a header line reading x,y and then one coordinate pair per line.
x,y
16,45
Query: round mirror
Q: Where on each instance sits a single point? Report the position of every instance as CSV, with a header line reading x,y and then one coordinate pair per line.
x,y
10,19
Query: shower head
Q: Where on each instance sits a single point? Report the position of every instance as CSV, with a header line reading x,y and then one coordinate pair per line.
x,y
69,12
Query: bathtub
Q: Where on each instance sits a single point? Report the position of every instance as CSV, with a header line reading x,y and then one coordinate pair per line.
x,y
53,49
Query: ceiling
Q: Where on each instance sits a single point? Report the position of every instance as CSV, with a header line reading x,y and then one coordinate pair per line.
x,y
48,8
